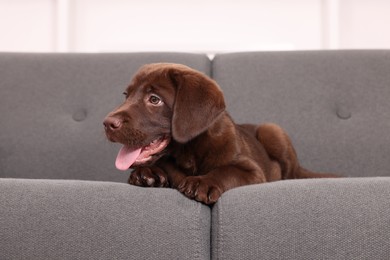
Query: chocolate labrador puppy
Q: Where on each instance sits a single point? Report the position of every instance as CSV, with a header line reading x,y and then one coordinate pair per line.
x,y
176,133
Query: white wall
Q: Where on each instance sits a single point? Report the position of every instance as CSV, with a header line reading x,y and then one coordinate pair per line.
x,y
27,25
192,25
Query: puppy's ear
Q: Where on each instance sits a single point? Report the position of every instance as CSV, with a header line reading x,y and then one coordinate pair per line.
x,y
198,103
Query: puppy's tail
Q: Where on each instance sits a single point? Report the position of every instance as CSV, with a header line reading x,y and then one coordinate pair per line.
x,y
303,173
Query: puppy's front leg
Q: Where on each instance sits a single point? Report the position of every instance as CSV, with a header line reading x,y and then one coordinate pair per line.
x,y
208,188
175,176
163,174
148,176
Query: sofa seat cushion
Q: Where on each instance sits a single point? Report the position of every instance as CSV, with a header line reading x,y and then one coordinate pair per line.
x,y
50,219
304,219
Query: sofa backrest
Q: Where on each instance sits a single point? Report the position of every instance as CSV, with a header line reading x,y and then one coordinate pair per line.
x,y
52,107
335,105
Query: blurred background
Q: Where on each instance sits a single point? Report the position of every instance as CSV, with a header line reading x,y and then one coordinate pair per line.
x,y
206,26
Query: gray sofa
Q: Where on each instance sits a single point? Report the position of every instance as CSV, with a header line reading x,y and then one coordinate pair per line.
x,y
62,198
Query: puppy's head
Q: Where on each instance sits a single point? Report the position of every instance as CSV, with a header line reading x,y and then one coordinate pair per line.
x,y
164,101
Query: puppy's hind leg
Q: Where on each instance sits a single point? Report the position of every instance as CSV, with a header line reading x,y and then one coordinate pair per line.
x,y
279,147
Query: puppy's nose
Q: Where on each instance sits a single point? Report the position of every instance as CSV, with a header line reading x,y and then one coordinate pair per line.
x,y
112,123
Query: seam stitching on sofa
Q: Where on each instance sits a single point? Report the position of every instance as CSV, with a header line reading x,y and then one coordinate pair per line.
x,y
211,62
219,230
197,233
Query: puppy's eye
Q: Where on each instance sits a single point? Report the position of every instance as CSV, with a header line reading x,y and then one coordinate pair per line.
x,y
125,93
155,100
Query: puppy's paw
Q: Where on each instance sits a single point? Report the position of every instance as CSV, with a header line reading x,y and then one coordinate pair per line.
x,y
149,177
200,188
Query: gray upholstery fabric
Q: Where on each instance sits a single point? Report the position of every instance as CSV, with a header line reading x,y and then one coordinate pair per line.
x,y
52,107
56,219
334,104
304,219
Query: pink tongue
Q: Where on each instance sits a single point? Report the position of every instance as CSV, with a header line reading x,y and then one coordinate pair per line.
x,y
126,157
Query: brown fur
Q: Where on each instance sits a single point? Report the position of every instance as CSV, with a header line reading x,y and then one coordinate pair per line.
x,y
208,153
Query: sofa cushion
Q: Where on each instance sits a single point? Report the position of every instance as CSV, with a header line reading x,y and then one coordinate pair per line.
x,y
63,219
52,108
304,219
334,104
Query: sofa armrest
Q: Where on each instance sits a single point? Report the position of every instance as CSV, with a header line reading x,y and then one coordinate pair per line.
x,y
304,219
54,219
